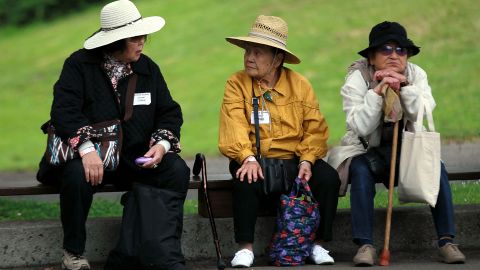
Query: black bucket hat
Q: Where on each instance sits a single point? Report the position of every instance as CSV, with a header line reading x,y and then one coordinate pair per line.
x,y
388,31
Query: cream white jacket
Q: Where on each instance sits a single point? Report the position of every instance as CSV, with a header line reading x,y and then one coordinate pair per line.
x,y
364,116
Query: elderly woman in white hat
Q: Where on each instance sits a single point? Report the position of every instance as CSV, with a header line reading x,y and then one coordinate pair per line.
x,y
292,129
92,88
385,62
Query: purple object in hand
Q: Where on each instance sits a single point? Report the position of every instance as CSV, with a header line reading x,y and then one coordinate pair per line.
x,y
142,160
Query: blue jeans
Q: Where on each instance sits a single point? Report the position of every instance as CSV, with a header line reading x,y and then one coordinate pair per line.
x,y
362,194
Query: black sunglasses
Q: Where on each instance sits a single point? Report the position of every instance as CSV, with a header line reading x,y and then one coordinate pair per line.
x,y
389,49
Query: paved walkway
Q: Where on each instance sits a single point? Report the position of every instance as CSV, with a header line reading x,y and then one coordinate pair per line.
x,y
399,261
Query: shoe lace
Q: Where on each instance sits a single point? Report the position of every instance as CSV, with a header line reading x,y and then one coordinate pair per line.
x,y
75,258
455,248
317,250
364,249
243,251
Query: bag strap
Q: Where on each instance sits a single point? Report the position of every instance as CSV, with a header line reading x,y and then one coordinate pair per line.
x,y
424,106
257,126
132,83
301,185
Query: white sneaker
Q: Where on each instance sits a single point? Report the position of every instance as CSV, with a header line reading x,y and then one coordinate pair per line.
x,y
243,258
320,255
74,262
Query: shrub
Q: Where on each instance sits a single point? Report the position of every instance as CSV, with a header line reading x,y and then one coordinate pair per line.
x,y
15,12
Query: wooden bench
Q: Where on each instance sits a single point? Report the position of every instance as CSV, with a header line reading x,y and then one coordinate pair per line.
x,y
220,193
216,182
219,190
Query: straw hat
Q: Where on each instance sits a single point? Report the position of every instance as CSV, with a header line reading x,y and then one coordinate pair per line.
x,y
119,20
268,30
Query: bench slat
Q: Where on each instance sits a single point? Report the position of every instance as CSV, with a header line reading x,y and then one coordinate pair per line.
x,y
469,175
33,190
215,181
41,189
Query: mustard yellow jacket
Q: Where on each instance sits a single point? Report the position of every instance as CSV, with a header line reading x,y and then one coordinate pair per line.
x,y
297,127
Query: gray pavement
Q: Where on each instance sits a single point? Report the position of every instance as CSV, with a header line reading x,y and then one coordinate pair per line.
x,y
401,260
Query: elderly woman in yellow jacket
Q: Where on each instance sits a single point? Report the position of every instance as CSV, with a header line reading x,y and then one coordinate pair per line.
x,y
291,126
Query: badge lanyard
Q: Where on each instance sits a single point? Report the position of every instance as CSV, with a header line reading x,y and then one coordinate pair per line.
x,y
255,103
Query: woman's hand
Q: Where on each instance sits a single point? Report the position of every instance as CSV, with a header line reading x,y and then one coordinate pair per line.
x,y
389,77
156,152
380,74
305,170
93,167
251,169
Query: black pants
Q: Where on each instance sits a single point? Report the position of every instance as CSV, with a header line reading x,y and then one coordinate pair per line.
x,y
76,195
247,198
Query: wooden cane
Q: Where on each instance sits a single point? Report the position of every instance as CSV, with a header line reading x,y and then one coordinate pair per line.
x,y
200,164
385,255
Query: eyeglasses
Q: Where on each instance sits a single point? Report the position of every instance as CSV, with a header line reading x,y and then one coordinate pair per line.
x,y
389,49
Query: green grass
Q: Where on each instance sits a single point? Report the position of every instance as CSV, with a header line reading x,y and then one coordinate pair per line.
x,y
196,60
34,209
462,192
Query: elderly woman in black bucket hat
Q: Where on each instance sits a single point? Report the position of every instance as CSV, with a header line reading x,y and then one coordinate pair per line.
x,y
385,62
95,85
292,129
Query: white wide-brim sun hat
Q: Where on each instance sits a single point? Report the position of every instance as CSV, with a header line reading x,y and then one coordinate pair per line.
x,y
121,19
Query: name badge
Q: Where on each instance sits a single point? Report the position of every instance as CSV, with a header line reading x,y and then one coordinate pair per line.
x,y
142,99
263,117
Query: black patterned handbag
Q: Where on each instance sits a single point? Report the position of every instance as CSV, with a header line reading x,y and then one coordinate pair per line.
x,y
106,138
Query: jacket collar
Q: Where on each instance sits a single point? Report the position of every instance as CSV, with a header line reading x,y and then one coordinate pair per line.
x,y
280,85
282,82
95,57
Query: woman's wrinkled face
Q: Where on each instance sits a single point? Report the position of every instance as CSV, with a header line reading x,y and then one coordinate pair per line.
x,y
390,56
133,49
258,60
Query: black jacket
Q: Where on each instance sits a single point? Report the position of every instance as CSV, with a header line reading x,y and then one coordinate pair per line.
x,y
83,95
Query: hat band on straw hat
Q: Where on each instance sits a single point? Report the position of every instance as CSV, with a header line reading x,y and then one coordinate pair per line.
x,y
255,34
270,31
120,26
107,29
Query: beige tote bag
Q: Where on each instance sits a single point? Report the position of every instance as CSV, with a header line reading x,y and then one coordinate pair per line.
x,y
419,176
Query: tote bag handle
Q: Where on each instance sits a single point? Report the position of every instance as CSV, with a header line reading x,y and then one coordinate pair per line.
x,y
424,106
